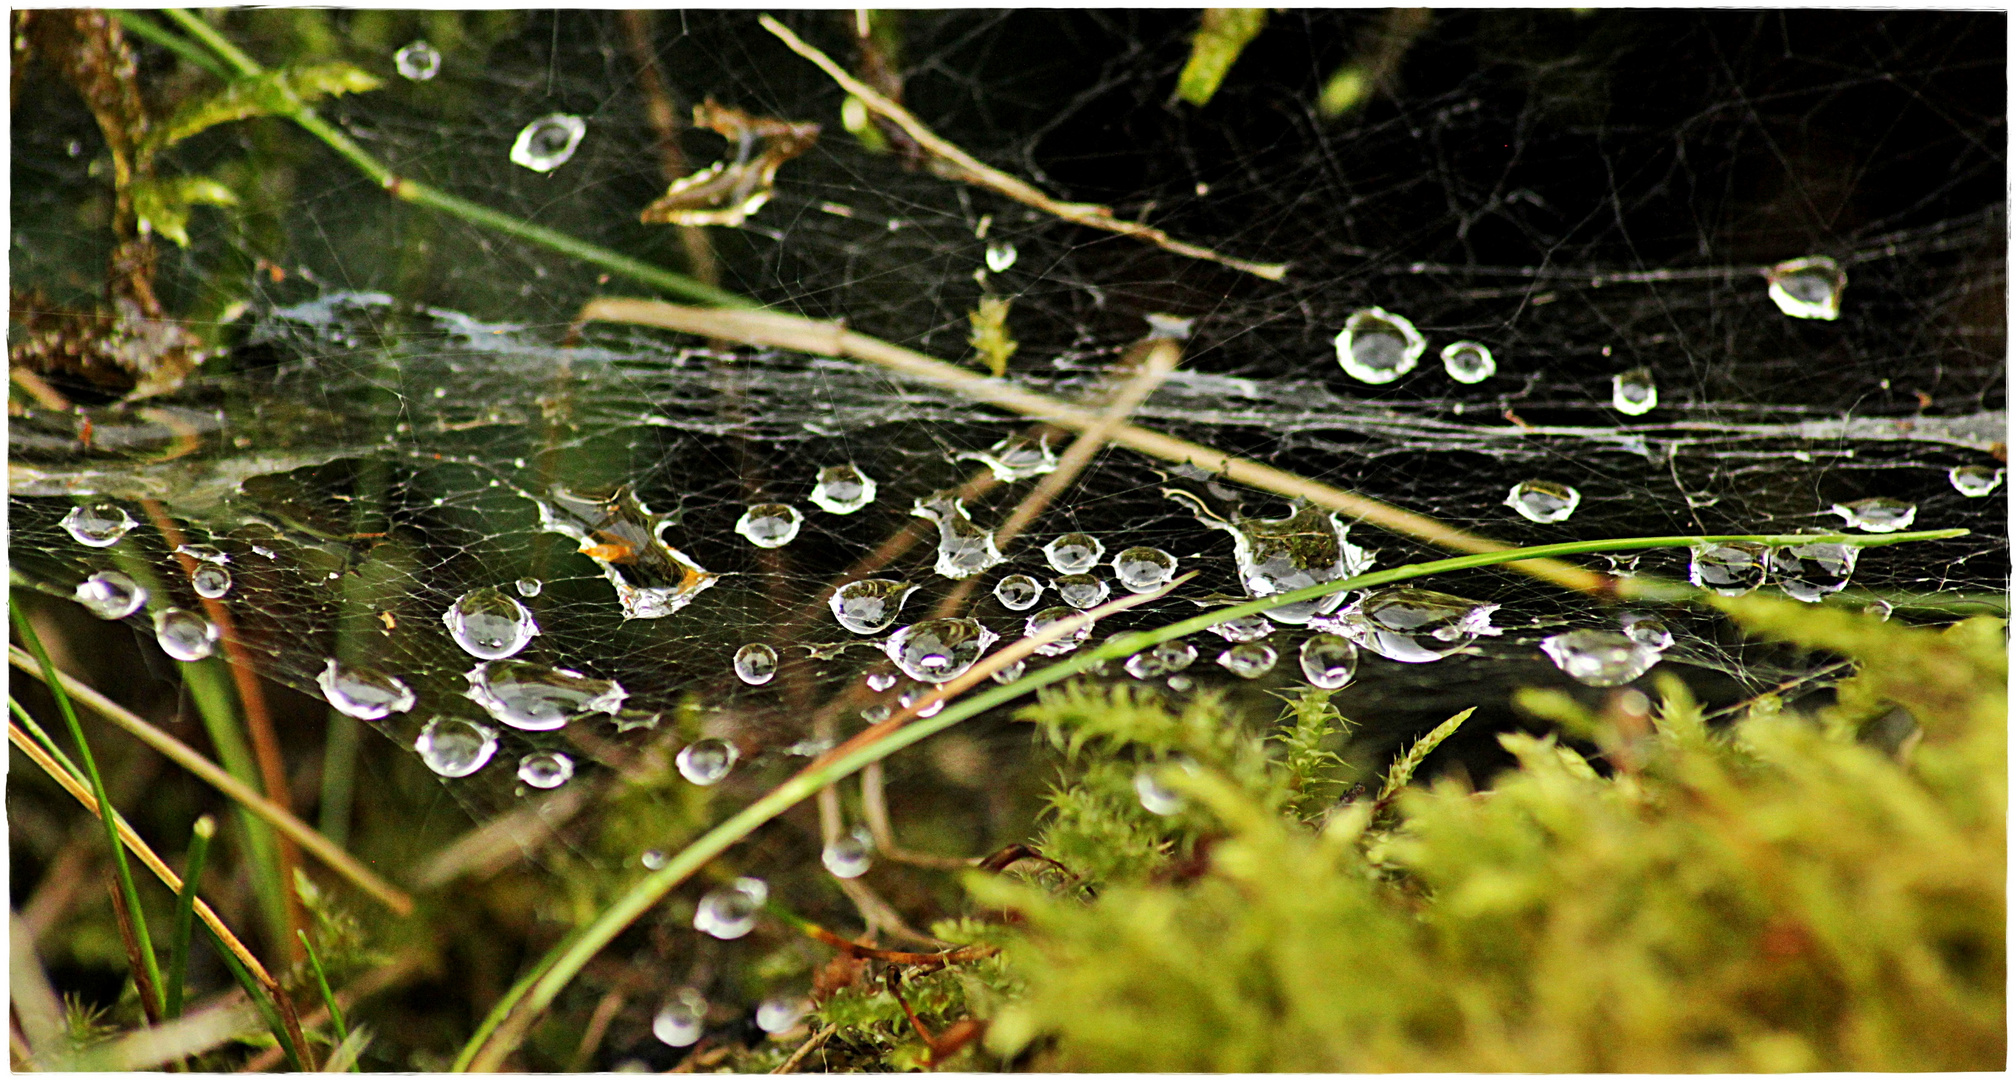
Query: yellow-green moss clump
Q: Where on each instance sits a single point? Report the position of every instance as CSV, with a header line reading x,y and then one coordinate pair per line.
x,y
1788,893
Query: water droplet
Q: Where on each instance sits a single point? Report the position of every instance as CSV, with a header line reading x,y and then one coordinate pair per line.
x,y
1377,346
1009,674
730,911
489,625
1881,609
1877,515
622,536
546,769
1169,327
1144,569
870,605
879,680
1329,661
184,635
1468,362
1015,458
654,859
1155,798
529,587
362,692
1018,592
1543,501
1166,658
546,143
683,1019
756,663
417,61
1244,628
203,553
1647,630
1416,626
1974,481
1729,569
1081,590
1808,288
1043,619
1073,553
842,489
770,525
532,697
110,594
1600,657
780,1014
454,747
210,581
706,761
1810,572
1248,660
97,525
1000,256
915,694
964,549
1278,555
847,857
875,714
938,650
1633,392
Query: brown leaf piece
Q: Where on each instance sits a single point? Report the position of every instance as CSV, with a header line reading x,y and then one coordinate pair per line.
x,y
726,193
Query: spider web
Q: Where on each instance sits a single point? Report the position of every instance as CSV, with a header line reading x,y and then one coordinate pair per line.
x,y
1583,194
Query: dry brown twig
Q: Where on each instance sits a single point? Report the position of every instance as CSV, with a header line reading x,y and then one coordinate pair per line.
x,y
960,165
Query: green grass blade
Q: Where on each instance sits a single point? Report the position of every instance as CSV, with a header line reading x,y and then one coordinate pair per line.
x,y
322,983
185,913
106,813
537,989
142,27
259,998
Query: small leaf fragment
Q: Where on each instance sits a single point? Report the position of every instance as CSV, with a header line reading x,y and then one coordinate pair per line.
x,y
271,93
1221,37
990,334
162,206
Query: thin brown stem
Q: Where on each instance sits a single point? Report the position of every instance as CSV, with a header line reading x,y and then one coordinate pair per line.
x,y
664,118
150,995
805,1050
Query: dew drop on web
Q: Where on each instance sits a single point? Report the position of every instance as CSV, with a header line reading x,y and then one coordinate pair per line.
x,y
545,144
489,625
184,635
706,762
847,857
1248,660
533,697
110,594
1073,553
1156,797
98,524
1377,347
770,525
869,606
1812,572
756,663
1416,626
1543,501
1244,628
1877,515
1633,392
1648,630
842,489
1808,288
529,587
938,650
1081,590
1143,569
729,912
1600,657
1044,619
1328,661
417,61
1729,569
682,1019
1018,592
362,692
1000,256
454,747
1974,481
211,581
545,769
779,1014
1468,362
1165,658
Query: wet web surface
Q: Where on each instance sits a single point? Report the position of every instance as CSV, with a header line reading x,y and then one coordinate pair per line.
x,y
1564,191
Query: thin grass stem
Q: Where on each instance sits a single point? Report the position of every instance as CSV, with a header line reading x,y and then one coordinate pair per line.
x,y
336,1020
185,912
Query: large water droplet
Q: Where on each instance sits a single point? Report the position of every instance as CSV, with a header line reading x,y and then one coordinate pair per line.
x,y
1600,657
1081,590
97,525
1377,346
533,697
1877,515
1278,555
1729,569
707,761
545,769
847,857
1049,616
110,594
1808,288
417,61
546,143
781,1013
529,587
964,549
1329,661
1249,659
842,489
869,606
210,581
652,578
770,525
1468,362
1974,481
1244,628
1144,569
1000,256
1648,630
489,625
1633,392
1156,798
1543,501
1809,572
756,663
1018,592
1166,658
730,911
362,692
1416,626
184,635
454,747
1015,458
938,650
1073,553
683,1019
